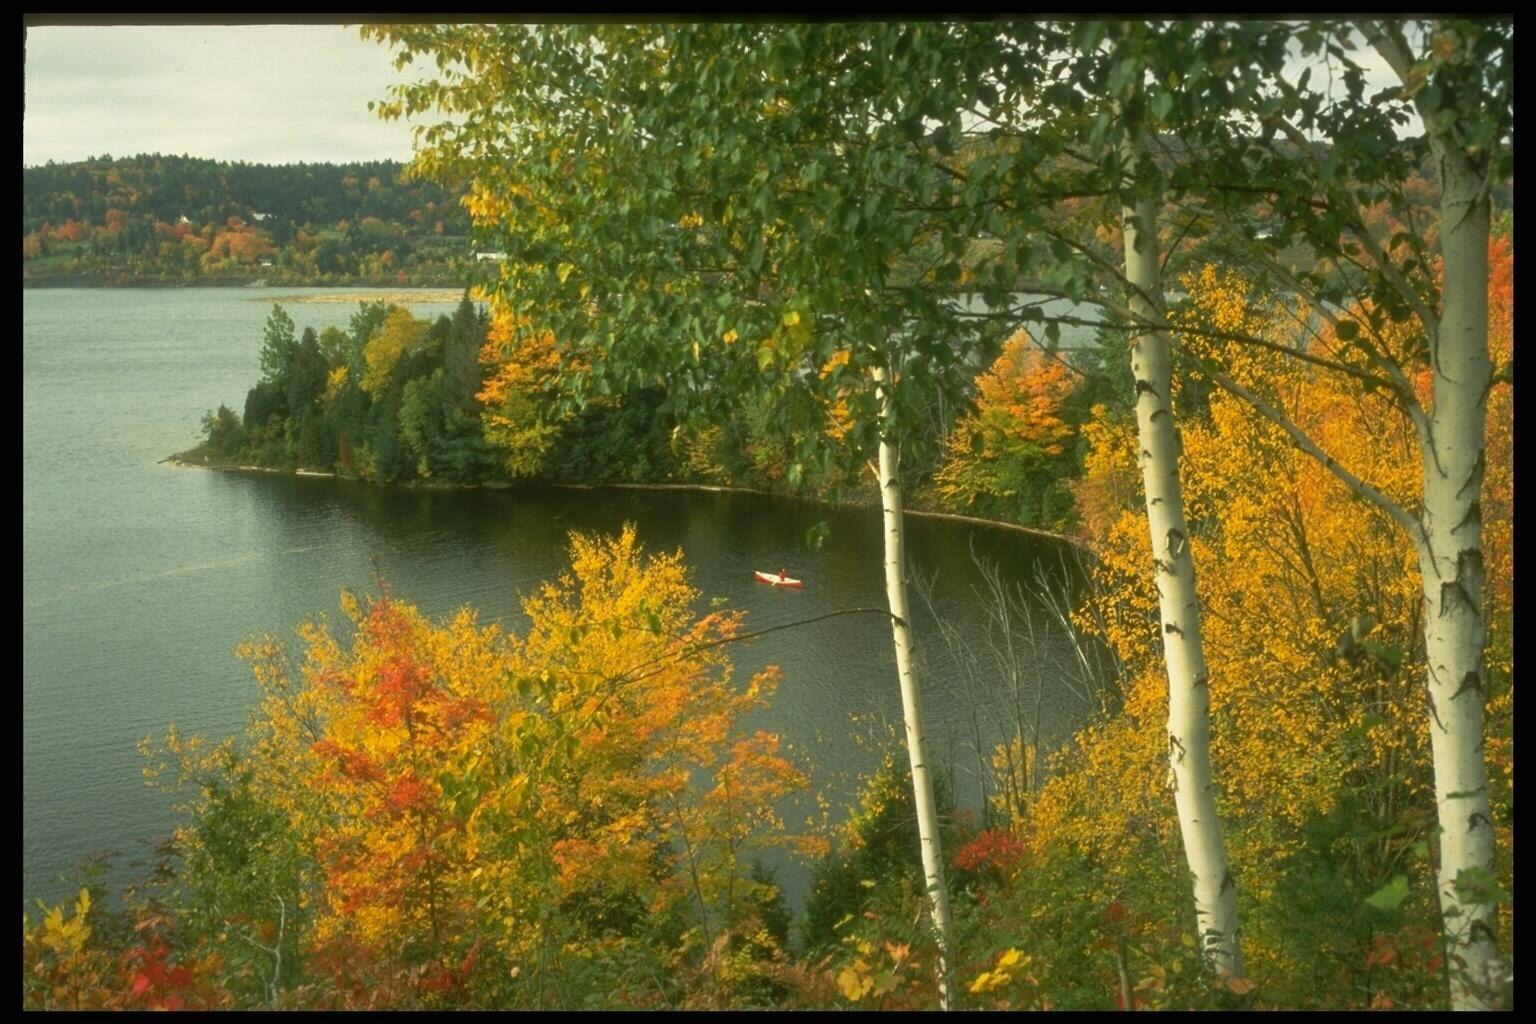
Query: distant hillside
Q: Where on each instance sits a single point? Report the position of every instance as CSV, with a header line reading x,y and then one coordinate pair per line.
x,y
182,220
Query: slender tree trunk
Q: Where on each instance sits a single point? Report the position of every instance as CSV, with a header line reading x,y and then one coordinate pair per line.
x,y
1179,609
901,634
1127,994
1450,552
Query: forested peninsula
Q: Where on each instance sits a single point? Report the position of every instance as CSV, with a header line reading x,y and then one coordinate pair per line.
x,y
465,400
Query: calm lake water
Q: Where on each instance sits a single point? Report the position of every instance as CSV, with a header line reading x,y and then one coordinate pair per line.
x,y
139,578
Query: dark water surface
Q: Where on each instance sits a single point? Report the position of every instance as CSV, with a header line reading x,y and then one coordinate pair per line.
x,y
140,578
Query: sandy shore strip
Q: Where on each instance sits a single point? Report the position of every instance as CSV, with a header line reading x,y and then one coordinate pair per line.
x,y
443,295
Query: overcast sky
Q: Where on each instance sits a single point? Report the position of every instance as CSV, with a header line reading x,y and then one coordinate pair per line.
x,y
258,93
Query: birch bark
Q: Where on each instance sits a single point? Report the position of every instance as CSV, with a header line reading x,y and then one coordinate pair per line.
x,y
1178,606
1451,563
911,705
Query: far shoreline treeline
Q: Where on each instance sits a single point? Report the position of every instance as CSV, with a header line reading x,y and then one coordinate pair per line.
x,y
160,221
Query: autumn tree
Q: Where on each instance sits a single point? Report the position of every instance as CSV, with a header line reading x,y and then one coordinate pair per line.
x,y
519,401
449,815
661,234
399,336
1320,162
1313,614
1005,456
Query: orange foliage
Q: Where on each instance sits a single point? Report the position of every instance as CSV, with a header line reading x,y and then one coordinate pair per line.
x,y
70,231
238,244
1000,453
476,803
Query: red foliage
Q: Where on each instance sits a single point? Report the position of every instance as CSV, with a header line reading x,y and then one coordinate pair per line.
x,y
993,849
158,982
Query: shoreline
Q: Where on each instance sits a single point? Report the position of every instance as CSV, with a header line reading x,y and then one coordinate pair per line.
x,y
85,279
179,459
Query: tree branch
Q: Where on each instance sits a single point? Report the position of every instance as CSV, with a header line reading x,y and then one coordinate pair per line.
x,y
1379,256
1397,381
1359,487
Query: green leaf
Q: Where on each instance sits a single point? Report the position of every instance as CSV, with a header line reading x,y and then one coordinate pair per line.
x,y
1391,895
1391,655
1475,885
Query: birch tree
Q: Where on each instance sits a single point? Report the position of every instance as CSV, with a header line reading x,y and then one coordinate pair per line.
x,y
1189,726
1093,113
1293,166
830,206
724,209
1257,163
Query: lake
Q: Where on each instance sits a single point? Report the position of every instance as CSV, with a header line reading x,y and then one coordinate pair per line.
x,y
139,578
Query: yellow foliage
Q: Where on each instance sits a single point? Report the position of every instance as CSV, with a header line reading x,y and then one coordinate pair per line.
x,y
839,419
1311,610
335,382
66,938
698,452
460,787
525,366
399,334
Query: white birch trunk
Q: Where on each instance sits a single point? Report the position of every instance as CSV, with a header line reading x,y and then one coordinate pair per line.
x,y
1179,608
1450,552
912,715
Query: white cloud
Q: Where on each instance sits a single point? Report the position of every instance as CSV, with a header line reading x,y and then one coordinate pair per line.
x,y
259,93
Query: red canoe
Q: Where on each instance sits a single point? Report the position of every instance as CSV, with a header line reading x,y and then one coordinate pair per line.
x,y
775,580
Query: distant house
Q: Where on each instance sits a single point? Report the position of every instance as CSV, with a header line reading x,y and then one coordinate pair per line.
x,y
497,256
183,219
259,216
266,263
